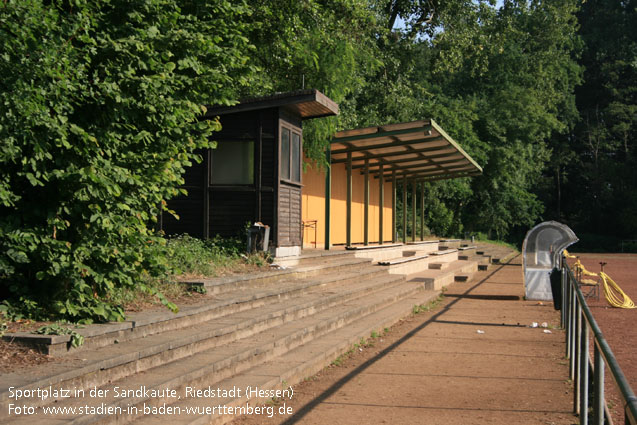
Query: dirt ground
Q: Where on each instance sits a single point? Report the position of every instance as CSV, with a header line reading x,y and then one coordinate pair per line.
x,y
474,359
617,325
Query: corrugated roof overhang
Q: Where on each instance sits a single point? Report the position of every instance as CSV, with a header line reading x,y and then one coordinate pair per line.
x,y
417,150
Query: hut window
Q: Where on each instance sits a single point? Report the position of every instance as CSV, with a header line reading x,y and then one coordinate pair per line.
x,y
285,154
296,157
233,163
290,155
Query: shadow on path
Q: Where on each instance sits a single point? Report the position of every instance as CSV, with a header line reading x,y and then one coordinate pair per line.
x,y
300,414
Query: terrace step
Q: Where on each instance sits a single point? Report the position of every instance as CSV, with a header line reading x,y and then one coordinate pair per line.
x,y
380,252
225,357
231,283
437,279
311,257
295,365
440,266
243,298
418,263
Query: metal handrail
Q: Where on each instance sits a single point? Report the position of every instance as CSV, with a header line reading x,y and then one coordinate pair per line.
x,y
577,319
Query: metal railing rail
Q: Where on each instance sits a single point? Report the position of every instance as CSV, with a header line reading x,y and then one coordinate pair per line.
x,y
578,321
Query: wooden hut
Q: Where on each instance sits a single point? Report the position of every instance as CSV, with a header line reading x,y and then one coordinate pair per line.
x,y
255,172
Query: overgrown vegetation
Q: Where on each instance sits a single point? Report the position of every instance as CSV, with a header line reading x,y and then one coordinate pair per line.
x,y
60,328
101,101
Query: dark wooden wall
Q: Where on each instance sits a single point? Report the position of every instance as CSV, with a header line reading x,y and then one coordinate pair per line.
x,y
189,208
231,207
289,202
289,215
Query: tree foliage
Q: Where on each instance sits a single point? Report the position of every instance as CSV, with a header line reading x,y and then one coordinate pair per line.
x,y
596,188
100,105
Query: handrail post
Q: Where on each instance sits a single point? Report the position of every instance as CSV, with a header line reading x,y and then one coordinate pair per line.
x,y
573,333
583,376
578,358
598,404
567,313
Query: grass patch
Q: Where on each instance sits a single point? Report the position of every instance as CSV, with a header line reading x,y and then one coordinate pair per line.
x,y
191,258
481,237
423,308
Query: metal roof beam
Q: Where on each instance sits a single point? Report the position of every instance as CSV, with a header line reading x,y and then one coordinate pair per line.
x,y
388,154
422,174
420,167
401,161
393,144
425,129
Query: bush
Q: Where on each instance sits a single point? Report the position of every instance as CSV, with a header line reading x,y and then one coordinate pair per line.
x,y
100,107
186,254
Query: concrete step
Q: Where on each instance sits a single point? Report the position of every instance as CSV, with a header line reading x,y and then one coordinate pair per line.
x,y
418,248
381,253
422,262
231,283
294,366
312,256
117,360
209,366
440,266
243,298
437,279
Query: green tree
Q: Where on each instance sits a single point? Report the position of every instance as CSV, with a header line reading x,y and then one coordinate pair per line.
x,y
601,194
100,105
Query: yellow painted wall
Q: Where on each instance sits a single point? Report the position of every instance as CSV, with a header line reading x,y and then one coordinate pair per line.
x,y
313,205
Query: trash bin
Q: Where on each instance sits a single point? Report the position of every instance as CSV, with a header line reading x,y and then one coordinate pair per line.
x,y
258,237
556,288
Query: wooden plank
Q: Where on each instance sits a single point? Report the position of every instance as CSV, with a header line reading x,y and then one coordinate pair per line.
x,y
413,211
328,199
393,207
366,208
404,238
381,206
440,149
422,211
348,218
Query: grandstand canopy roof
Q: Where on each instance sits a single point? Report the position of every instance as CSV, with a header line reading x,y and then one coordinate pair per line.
x,y
417,150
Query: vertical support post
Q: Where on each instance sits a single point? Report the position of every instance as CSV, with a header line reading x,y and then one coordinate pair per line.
x,y
348,222
393,207
573,340
578,359
583,374
328,198
563,288
205,233
422,211
598,404
366,218
413,210
404,239
381,203
567,315
258,173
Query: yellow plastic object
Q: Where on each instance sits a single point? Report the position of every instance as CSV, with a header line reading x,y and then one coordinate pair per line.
x,y
614,294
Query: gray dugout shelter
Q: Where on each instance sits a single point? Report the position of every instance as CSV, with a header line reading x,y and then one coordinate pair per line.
x,y
542,250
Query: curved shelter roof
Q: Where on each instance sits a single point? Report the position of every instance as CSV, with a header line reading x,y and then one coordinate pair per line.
x,y
417,150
